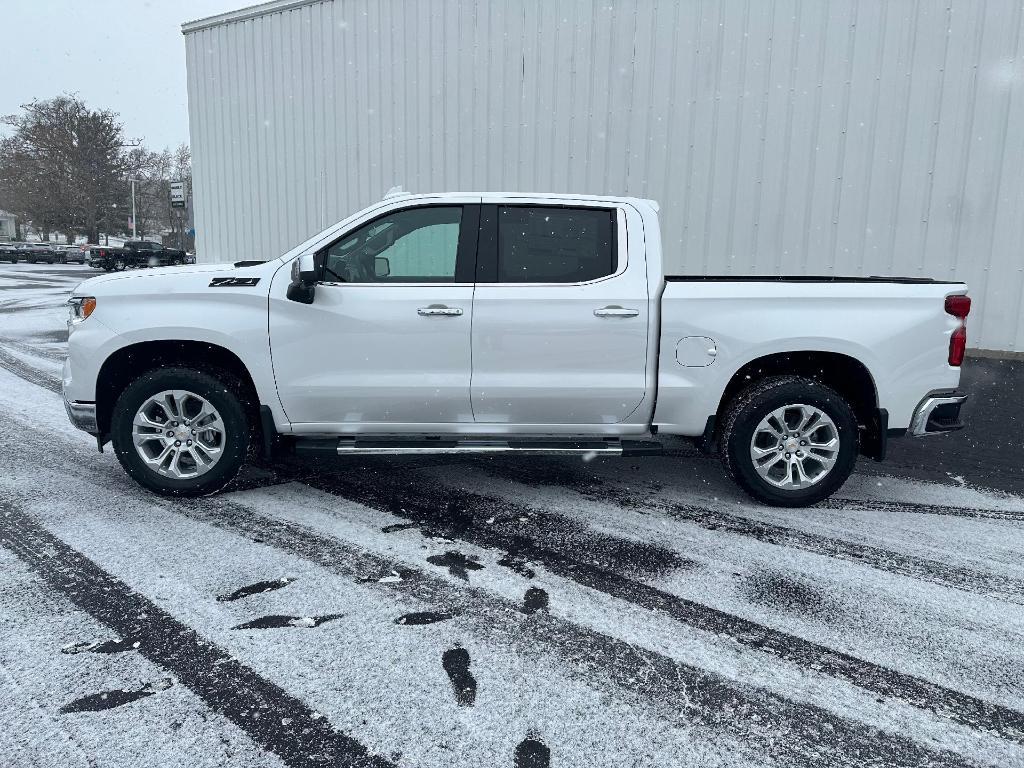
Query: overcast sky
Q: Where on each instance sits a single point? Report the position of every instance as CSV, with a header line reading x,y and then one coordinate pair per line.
x,y
115,54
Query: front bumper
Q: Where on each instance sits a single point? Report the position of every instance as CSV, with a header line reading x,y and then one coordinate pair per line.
x,y
82,415
936,415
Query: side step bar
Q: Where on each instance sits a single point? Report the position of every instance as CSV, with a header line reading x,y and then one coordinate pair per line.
x,y
398,447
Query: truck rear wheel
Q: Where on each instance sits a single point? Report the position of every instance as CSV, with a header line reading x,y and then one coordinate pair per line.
x,y
180,432
789,441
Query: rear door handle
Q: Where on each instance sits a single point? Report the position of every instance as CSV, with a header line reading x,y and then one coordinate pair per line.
x,y
438,309
616,311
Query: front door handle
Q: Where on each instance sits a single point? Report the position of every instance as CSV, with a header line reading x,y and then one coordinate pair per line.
x,y
615,310
438,309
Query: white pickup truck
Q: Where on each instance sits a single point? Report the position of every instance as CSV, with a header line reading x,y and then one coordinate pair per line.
x,y
507,323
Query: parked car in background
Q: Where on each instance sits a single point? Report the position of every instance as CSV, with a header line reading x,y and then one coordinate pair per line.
x,y
22,251
110,258
98,256
73,254
41,253
496,323
9,252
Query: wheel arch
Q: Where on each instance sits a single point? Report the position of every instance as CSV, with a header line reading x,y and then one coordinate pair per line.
x,y
847,375
127,363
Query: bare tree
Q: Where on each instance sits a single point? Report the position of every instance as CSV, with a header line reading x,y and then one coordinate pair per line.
x,y
65,167
153,173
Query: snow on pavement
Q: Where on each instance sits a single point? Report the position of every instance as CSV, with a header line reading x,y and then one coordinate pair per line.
x,y
486,612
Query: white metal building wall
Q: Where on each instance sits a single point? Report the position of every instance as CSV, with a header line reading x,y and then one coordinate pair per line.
x,y
779,136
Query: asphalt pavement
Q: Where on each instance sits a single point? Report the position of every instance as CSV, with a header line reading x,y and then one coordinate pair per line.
x,y
501,612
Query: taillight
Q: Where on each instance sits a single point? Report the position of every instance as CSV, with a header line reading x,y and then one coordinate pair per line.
x,y
957,346
959,307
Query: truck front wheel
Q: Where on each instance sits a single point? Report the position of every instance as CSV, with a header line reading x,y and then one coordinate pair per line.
x,y
180,432
789,441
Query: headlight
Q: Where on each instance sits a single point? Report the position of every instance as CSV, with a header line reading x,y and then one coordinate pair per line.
x,y
81,307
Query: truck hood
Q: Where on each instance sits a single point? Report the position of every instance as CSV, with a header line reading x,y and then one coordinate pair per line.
x,y
170,278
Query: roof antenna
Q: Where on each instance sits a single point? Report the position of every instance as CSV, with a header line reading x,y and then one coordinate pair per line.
x,y
394,192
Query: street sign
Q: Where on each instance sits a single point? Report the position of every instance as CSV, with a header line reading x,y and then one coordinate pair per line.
x,y
177,194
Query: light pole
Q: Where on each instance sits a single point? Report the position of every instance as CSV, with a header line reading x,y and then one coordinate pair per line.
x,y
132,144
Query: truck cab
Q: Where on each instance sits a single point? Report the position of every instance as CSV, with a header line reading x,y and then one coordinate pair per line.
x,y
437,318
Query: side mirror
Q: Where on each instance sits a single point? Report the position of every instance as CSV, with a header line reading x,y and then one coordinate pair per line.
x,y
303,285
381,266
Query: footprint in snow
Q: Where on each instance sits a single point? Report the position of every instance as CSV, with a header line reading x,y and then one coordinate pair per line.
x,y
535,599
297,622
456,664
255,589
532,754
458,564
97,702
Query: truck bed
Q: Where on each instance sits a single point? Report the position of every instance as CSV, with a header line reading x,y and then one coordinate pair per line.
x,y
713,325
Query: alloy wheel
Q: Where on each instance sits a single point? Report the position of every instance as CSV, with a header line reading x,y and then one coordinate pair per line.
x,y
795,446
178,434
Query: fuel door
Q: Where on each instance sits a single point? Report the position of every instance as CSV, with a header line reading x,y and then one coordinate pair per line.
x,y
696,351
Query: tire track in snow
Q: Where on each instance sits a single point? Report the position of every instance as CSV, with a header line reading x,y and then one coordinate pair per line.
x,y
912,566
683,695
422,500
32,375
10,309
877,505
271,717
35,350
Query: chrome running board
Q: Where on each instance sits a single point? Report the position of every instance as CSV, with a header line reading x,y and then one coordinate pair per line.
x,y
434,446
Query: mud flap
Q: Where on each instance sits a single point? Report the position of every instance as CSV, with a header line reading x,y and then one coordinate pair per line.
x,y
874,438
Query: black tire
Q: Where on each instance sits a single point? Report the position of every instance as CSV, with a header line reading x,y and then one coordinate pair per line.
x,y
753,404
222,393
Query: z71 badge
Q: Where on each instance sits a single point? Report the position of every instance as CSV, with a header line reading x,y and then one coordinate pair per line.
x,y
233,282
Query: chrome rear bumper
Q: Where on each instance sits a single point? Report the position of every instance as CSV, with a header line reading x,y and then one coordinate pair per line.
x,y
937,414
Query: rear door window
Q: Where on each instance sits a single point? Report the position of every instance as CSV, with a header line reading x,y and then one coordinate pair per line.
x,y
547,244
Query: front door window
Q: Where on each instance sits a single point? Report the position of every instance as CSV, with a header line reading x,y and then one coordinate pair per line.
x,y
417,245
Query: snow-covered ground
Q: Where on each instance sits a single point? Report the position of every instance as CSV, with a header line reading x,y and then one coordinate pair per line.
x,y
480,612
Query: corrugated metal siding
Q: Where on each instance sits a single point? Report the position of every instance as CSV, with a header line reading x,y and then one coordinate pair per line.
x,y
797,136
